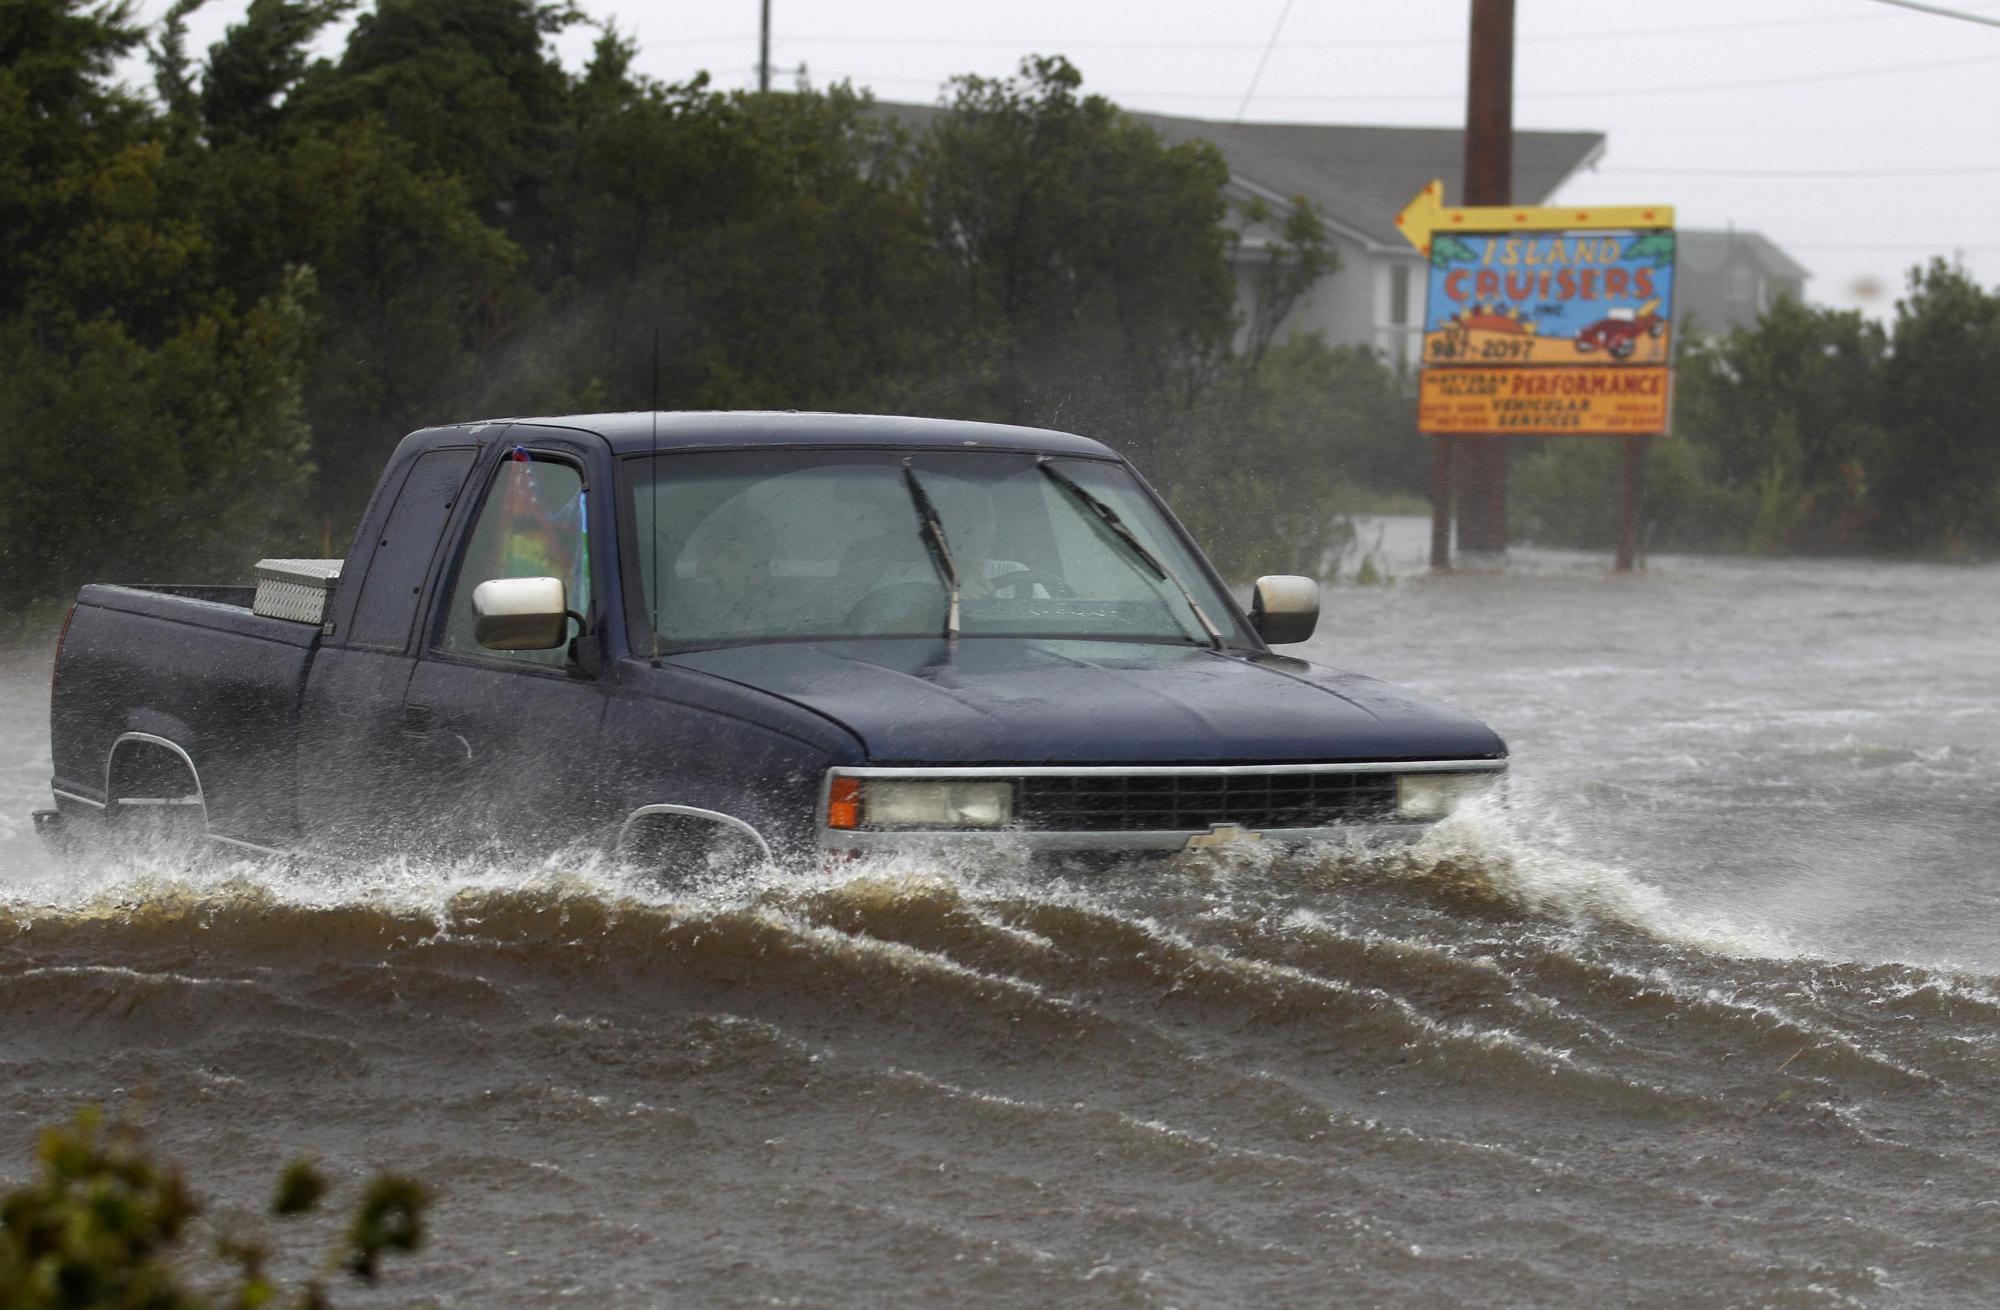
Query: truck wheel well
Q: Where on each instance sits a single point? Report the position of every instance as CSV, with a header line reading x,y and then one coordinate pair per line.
x,y
146,769
685,841
152,793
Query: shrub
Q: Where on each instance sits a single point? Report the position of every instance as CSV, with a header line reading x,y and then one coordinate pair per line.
x,y
104,1226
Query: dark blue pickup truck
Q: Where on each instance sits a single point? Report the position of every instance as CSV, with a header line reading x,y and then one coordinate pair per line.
x,y
685,636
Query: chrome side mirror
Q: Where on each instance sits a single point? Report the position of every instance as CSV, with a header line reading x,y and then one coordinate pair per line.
x,y
1284,608
520,614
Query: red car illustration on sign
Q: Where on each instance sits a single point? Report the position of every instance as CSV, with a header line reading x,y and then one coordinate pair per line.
x,y
1619,332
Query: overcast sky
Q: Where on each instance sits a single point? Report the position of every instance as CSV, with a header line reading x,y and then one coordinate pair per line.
x,y
1859,136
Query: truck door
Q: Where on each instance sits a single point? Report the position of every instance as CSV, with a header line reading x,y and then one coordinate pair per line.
x,y
353,768
509,740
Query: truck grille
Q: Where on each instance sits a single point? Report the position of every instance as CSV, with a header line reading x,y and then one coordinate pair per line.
x,y
1111,802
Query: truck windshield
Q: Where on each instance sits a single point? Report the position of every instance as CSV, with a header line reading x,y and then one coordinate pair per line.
x,y
774,545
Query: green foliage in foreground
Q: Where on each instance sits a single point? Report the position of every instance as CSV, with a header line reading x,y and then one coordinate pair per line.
x,y
105,1226
1815,430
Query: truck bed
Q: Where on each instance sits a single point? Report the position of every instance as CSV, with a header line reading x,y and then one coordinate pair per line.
x,y
219,604
194,666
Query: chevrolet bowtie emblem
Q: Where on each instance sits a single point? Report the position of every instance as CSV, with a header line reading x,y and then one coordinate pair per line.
x,y
1222,834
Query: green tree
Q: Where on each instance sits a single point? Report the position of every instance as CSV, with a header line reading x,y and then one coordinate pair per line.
x,y
339,169
60,118
770,240
1780,430
415,291
1289,262
473,88
133,460
1792,407
222,310
149,414
1262,463
1088,258
1568,491
1940,488
825,294
253,70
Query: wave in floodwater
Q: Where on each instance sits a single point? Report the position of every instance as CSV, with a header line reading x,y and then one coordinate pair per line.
x,y
1476,861
1410,1071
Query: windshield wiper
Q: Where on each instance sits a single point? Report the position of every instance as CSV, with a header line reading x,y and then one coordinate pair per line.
x,y
1109,518
939,548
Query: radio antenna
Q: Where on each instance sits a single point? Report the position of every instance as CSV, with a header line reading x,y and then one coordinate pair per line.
x,y
653,472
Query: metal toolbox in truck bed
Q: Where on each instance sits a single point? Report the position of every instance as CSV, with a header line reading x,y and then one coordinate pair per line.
x,y
295,589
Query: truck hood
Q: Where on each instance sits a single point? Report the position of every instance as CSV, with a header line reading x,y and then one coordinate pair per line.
x,y
993,700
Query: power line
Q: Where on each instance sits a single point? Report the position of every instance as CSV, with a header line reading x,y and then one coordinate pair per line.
x,y
1891,247
1703,88
1263,59
740,38
1790,174
1942,12
1626,130
1393,43
1602,93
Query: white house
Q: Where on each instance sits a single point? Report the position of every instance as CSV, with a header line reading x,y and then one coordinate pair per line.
x,y
1726,279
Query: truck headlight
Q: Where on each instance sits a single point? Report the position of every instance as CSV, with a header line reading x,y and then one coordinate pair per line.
x,y
1435,795
920,803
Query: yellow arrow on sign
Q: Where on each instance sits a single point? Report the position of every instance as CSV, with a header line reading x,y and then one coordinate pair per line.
x,y
1427,214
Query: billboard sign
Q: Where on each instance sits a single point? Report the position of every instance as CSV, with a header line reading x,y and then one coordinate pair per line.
x,y
1550,321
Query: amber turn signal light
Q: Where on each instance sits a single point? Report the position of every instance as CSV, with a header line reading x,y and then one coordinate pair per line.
x,y
843,803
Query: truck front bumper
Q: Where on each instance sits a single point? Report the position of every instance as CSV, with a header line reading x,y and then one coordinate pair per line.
x,y
1220,838
1109,810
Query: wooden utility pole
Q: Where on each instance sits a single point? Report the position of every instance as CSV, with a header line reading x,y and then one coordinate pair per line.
x,y
1489,180
1632,493
764,50
1442,450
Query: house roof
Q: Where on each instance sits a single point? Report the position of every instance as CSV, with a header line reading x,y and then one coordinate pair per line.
x,y
1707,250
1359,176
1363,176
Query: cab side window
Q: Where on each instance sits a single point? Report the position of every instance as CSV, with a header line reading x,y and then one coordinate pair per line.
x,y
532,525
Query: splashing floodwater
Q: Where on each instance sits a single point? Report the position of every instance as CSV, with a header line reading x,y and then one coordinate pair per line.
x,y
1702,1015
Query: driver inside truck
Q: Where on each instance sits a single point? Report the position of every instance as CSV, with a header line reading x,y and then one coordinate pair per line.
x,y
725,591
971,524
533,524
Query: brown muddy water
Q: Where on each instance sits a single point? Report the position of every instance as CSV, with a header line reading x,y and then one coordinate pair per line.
x,y
1703,1016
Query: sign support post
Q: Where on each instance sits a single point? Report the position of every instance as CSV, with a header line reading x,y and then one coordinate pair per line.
x,y
1632,488
1442,451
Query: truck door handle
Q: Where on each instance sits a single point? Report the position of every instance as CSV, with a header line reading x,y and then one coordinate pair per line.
x,y
416,720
